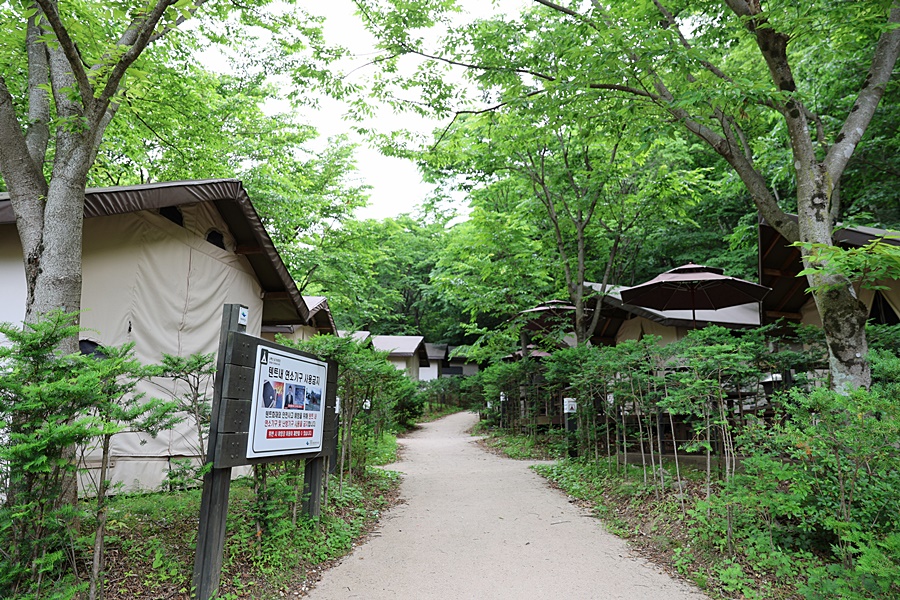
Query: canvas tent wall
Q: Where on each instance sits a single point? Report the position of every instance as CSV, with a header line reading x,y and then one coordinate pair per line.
x,y
159,261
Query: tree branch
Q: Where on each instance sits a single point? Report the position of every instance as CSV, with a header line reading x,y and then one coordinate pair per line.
x,y
622,88
70,50
140,31
559,8
670,19
458,63
886,52
19,170
37,136
482,111
178,22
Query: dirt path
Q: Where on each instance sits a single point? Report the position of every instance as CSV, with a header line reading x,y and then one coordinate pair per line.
x,y
478,526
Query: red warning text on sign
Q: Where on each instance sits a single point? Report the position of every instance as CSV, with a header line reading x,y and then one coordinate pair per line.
x,y
288,433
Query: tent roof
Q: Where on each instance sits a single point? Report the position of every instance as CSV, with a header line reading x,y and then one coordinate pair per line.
x,y
282,303
780,263
320,314
436,351
358,336
402,345
615,312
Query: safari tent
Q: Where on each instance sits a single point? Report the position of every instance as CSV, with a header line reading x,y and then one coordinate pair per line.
x,y
320,321
437,355
620,321
159,262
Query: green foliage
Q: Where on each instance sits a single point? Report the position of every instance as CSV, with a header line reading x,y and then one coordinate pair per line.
x,y
871,265
552,446
822,479
444,395
375,398
51,404
191,382
804,500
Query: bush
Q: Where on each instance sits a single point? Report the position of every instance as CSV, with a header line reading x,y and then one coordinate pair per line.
x,y
822,480
52,404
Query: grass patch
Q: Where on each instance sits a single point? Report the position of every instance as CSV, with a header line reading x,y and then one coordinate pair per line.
x,y
551,446
655,524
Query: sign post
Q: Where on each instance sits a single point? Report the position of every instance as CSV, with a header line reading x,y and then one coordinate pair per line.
x,y
270,403
216,482
570,407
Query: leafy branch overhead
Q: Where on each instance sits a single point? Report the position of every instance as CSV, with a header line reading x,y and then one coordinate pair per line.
x,y
742,77
870,265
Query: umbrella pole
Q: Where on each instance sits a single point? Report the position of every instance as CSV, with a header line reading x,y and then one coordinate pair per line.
x,y
693,307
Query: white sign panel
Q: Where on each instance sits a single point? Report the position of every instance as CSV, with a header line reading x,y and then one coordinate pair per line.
x,y
570,405
288,409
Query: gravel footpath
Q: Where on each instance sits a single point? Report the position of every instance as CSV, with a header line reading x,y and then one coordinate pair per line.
x,y
482,527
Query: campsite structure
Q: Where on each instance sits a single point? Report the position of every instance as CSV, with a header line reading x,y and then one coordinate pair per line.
x,y
406,352
780,263
320,321
160,260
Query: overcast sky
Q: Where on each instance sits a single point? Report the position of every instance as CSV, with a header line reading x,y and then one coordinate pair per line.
x,y
396,184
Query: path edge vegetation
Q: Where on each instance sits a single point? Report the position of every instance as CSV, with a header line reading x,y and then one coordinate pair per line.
x,y
112,544
801,504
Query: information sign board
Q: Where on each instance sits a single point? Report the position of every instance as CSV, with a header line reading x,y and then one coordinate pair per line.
x,y
569,405
287,411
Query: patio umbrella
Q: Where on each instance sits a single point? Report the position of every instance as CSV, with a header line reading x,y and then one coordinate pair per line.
x,y
694,287
548,314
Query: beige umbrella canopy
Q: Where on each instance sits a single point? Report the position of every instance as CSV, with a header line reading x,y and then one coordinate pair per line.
x,y
694,287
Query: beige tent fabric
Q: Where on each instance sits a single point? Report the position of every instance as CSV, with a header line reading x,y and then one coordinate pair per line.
x,y
201,218
891,294
161,286
633,328
176,284
12,277
810,314
300,333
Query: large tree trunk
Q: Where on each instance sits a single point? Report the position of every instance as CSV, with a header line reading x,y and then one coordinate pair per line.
x,y
843,314
54,274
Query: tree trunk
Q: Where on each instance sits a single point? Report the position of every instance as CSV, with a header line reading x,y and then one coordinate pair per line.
x,y
96,587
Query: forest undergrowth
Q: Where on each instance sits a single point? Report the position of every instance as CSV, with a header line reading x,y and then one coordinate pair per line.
x,y
153,537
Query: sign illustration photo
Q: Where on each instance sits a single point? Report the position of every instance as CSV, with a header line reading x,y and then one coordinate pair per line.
x,y
287,411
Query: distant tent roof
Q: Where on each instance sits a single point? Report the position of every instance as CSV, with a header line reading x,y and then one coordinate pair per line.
x,y
531,351
359,336
320,314
436,351
402,345
282,303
